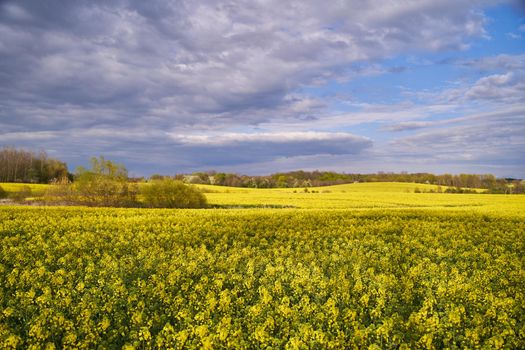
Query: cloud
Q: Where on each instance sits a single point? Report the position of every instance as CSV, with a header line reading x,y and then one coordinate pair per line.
x,y
503,83
275,138
508,87
235,149
28,136
189,63
483,139
16,12
504,115
187,85
502,62
404,126
195,151
514,36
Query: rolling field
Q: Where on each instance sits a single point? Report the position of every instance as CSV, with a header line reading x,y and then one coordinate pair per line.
x,y
37,189
352,266
365,196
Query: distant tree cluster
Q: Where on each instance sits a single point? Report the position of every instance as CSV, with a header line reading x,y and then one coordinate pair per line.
x,y
25,166
301,179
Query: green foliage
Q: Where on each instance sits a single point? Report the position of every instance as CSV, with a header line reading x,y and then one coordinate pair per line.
x,y
251,279
317,178
101,167
459,190
18,165
3,193
105,184
169,193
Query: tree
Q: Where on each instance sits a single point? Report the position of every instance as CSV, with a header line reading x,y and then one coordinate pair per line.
x,y
169,193
105,184
24,166
282,181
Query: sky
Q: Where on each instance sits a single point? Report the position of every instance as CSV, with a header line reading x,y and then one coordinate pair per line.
x,y
257,87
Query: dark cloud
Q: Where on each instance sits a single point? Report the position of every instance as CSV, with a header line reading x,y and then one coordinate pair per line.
x,y
404,126
195,60
146,148
234,149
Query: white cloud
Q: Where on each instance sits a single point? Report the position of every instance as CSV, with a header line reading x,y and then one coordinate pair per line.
x,y
277,137
27,136
500,87
514,36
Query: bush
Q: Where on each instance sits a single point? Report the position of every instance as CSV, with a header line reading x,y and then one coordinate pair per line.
x,y
104,191
104,185
3,193
169,193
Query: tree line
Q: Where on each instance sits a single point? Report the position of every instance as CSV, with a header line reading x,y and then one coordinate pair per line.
x,y
18,165
300,179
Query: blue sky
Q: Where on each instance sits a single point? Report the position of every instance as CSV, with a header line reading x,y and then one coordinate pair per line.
x,y
260,87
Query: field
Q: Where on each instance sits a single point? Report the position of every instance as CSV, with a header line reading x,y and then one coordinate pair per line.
x,y
15,187
364,196
351,266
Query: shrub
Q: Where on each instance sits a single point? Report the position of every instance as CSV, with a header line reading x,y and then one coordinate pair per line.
x,y
104,185
104,191
3,193
169,193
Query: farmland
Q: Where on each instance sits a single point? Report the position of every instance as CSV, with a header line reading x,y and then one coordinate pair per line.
x,y
15,187
349,266
365,196
393,195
